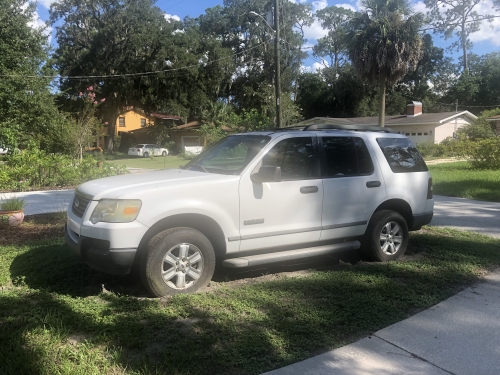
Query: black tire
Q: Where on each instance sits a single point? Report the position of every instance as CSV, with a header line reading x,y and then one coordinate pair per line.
x,y
164,153
164,256
381,249
146,154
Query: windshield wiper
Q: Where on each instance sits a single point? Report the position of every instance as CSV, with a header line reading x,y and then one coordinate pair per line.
x,y
200,167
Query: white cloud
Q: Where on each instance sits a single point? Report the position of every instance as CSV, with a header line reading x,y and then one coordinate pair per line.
x,y
314,68
46,3
37,23
169,17
488,31
346,6
319,4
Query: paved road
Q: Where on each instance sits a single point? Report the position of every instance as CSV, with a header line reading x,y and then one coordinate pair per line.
x,y
466,214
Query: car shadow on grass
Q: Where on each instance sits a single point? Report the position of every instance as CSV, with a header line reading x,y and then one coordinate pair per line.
x,y
229,329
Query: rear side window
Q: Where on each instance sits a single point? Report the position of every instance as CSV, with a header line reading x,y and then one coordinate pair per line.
x,y
346,156
401,155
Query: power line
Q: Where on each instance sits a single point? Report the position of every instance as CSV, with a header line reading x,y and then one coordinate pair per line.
x,y
131,75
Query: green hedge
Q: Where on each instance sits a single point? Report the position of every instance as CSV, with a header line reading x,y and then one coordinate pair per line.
x,y
34,169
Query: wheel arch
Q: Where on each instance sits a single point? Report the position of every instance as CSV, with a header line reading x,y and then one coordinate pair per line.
x,y
202,223
400,206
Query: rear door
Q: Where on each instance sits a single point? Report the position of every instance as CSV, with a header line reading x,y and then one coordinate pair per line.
x,y
353,185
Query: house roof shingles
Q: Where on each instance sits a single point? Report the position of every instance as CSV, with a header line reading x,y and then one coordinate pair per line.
x,y
424,118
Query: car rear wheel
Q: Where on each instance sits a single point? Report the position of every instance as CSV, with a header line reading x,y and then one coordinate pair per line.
x,y
177,260
386,237
164,153
146,154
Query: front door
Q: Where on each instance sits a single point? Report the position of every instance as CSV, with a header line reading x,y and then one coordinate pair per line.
x,y
288,212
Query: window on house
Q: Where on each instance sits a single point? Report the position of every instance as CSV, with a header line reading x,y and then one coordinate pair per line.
x,y
419,133
143,122
413,133
407,133
426,133
430,132
121,122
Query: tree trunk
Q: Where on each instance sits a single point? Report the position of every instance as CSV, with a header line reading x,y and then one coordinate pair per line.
x,y
381,93
113,116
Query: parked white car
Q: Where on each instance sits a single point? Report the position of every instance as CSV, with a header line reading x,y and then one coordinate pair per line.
x,y
147,150
3,150
252,199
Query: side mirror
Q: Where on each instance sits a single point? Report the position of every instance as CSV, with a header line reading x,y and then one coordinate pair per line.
x,y
267,174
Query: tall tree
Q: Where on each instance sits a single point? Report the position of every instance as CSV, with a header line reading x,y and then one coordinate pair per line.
x,y
385,43
334,44
459,18
134,55
252,40
27,107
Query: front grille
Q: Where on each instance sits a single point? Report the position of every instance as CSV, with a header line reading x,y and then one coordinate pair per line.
x,y
80,203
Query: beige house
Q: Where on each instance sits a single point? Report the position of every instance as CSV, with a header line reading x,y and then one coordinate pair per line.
x,y
418,126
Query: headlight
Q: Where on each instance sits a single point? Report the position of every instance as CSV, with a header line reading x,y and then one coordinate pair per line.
x,y
116,211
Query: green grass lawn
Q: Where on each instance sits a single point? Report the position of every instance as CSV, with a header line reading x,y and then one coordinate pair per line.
x,y
459,180
159,162
58,316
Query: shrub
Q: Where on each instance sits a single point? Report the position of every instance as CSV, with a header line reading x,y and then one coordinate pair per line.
x,y
431,149
34,169
187,155
481,154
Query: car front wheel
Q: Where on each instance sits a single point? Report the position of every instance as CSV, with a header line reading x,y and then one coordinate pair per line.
x,y
177,260
386,237
146,154
164,153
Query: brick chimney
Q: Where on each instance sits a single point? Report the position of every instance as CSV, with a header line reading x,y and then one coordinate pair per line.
x,y
414,109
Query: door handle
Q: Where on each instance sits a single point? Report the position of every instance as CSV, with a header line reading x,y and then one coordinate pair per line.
x,y
373,184
308,189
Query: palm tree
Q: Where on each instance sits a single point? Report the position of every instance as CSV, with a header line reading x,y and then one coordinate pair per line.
x,y
385,43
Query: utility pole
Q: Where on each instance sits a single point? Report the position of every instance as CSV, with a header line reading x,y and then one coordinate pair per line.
x,y
277,65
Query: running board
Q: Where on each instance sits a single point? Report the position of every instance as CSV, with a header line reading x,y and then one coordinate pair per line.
x,y
255,260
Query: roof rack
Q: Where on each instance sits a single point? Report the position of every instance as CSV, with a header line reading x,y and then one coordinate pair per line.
x,y
361,128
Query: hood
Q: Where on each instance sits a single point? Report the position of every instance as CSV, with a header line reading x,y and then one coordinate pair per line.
x,y
118,186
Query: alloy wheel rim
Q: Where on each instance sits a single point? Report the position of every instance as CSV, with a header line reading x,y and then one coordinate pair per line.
x,y
391,238
182,266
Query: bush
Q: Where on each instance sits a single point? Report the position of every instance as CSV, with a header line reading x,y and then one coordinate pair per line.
x,y
34,169
431,149
187,155
481,154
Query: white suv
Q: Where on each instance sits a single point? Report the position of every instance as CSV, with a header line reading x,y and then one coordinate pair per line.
x,y
255,198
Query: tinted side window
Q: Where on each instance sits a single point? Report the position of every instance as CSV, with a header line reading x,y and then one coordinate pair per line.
x,y
401,155
346,156
294,156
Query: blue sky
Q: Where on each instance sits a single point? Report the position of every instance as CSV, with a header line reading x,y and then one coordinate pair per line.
x,y
486,40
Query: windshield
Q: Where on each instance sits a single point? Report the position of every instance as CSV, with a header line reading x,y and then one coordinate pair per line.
x,y
230,155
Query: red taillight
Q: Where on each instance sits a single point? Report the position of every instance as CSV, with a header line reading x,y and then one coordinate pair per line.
x,y
429,189
138,150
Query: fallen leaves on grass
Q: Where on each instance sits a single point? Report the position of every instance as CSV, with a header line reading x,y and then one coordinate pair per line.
x,y
34,228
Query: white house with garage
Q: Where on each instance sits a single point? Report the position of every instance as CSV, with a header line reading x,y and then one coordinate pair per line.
x,y
418,126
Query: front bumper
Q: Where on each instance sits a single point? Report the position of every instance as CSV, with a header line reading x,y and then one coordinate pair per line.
x,y
421,220
97,254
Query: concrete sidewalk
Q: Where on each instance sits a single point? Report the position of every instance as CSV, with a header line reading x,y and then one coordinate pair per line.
x,y
460,336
